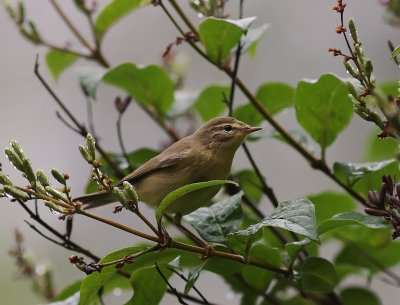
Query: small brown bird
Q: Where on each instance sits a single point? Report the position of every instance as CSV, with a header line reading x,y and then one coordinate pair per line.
x,y
205,155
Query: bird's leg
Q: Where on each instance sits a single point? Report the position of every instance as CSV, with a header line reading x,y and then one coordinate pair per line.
x,y
162,233
209,248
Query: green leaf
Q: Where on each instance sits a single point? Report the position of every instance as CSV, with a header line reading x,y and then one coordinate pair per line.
x,y
68,291
150,85
71,300
293,248
328,204
365,176
148,285
378,149
358,295
113,12
323,108
353,218
219,36
317,274
396,52
349,270
193,277
214,223
359,251
250,184
274,96
89,78
248,114
211,101
252,38
258,278
93,282
141,156
174,195
297,216
175,264
57,62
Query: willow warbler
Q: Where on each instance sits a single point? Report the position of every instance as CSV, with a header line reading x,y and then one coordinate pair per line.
x,y
205,155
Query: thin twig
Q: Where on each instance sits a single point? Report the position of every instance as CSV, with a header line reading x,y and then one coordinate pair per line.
x,y
64,121
70,25
391,48
184,17
266,189
236,65
172,288
121,142
47,237
82,129
364,254
68,242
194,287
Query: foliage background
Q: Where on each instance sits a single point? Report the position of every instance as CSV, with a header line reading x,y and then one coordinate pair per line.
x,y
294,48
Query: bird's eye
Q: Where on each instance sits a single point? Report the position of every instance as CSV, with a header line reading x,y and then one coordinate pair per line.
x,y
228,128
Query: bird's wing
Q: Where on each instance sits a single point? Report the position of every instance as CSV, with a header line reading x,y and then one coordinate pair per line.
x,y
152,166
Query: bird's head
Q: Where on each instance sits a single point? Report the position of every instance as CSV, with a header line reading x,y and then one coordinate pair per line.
x,y
224,132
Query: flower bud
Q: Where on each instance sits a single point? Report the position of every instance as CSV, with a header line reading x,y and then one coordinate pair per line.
x,y
14,159
368,68
28,170
360,54
4,179
40,189
91,146
120,196
130,192
58,176
350,69
17,149
56,194
85,154
15,193
53,206
42,178
353,31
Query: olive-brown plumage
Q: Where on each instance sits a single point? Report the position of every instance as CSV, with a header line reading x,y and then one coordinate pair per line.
x,y
205,155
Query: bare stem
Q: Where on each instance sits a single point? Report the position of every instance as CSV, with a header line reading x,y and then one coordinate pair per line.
x,y
71,26
172,288
121,141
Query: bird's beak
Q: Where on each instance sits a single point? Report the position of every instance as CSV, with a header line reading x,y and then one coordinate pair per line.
x,y
249,129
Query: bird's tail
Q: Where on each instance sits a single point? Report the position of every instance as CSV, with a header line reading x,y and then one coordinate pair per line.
x,y
95,199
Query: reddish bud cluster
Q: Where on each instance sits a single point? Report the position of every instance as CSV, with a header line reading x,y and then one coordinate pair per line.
x,y
339,7
338,52
88,268
189,37
339,29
